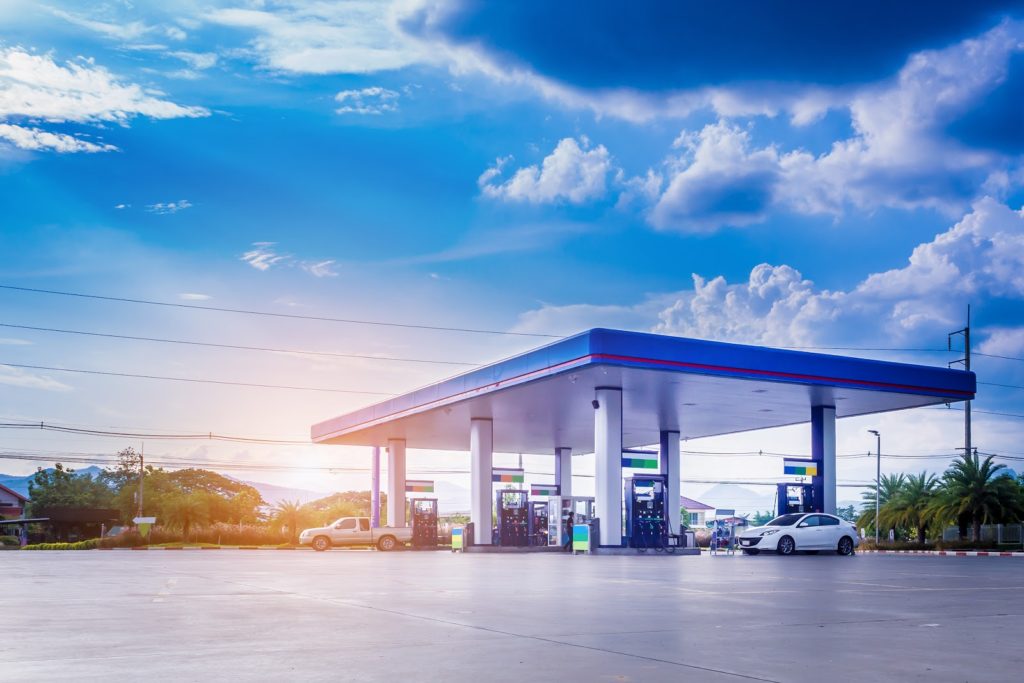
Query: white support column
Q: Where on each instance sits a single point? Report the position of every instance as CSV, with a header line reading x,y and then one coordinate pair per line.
x,y
669,460
396,482
563,466
608,463
481,461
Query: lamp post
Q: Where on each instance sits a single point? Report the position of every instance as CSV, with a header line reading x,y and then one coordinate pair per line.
x,y
878,479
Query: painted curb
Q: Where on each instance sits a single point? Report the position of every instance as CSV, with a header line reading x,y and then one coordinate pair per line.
x,y
948,553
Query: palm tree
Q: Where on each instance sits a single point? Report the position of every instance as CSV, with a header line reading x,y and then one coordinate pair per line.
x,y
978,492
185,511
289,514
909,507
891,485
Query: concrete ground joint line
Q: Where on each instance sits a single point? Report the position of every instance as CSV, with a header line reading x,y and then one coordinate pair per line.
x,y
487,629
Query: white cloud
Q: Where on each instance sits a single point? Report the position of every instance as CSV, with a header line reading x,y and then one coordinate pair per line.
x,y
122,206
325,268
720,181
192,296
37,139
16,377
900,155
38,88
8,341
325,37
169,207
375,100
263,257
119,30
980,257
572,173
197,62
1003,341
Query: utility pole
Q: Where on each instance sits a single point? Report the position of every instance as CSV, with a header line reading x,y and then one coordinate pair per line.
x,y
966,360
878,480
142,471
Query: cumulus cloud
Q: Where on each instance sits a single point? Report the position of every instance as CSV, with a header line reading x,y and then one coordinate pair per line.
x,y
1003,341
40,140
375,100
38,88
17,377
900,155
721,181
980,256
323,37
169,207
572,172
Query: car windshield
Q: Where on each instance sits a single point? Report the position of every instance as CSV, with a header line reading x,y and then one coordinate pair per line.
x,y
785,520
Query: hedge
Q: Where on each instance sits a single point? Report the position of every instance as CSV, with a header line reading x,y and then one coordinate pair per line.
x,y
90,544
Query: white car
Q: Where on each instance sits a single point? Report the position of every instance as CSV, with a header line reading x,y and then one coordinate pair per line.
x,y
801,531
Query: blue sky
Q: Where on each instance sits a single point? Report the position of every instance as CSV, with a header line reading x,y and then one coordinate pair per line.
x,y
776,173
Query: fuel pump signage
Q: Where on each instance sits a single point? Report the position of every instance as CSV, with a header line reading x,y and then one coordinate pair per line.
x,y
419,486
639,462
544,490
507,476
801,468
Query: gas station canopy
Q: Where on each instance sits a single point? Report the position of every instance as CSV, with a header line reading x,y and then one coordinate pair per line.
x,y
544,399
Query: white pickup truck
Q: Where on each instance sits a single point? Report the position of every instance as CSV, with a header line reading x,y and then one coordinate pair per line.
x,y
349,531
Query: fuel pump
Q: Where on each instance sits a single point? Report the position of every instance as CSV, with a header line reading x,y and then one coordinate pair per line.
x,y
513,518
796,498
646,512
538,522
423,512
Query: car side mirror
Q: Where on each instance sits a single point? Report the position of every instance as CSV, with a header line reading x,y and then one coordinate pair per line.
x,y
801,525
337,526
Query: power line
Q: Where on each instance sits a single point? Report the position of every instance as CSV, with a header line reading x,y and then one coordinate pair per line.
x,y
189,342
1005,386
194,380
295,316
210,436
986,412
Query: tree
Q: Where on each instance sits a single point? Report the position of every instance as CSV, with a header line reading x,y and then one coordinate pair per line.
x,y
849,513
129,464
59,487
978,492
909,507
289,515
890,486
762,518
185,511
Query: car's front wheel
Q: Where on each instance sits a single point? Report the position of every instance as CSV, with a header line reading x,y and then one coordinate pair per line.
x,y
751,551
321,543
845,546
786,546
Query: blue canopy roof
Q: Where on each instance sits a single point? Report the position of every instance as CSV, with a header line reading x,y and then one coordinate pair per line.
x,y
541,399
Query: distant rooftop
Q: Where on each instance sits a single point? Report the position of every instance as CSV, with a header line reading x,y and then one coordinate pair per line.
x,y
691,505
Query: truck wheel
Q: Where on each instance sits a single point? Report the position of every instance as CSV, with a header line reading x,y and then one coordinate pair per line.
x,y
321,543
386,543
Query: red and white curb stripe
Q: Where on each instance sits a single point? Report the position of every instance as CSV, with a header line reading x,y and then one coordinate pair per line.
x,y
948,553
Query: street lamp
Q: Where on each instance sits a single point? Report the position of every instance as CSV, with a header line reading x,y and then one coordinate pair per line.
x,y
878,479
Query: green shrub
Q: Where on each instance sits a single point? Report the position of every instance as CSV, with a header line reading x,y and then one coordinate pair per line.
x,y
213,534
90,544
9,540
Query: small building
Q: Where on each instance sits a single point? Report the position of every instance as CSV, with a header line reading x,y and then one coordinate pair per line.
x,y
12,503
694,511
